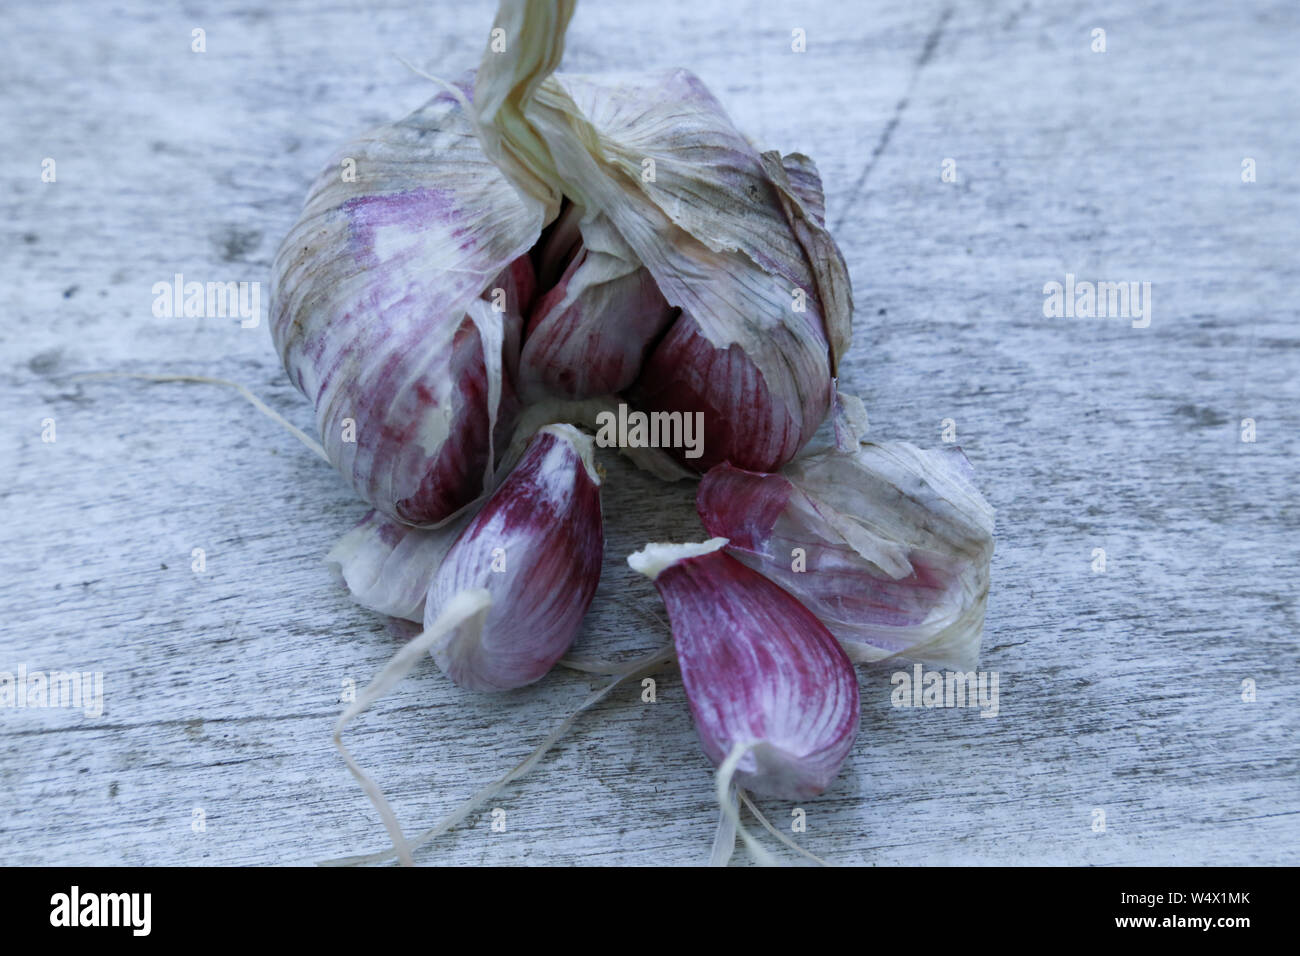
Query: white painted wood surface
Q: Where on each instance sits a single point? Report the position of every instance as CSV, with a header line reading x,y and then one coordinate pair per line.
x,y
1119,691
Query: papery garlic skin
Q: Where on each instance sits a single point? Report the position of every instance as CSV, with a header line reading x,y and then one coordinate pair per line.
x,y
386,313
536,547
759,669
387,565
889,546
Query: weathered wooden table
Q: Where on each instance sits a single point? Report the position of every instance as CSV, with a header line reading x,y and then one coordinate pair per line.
x,y
1120,691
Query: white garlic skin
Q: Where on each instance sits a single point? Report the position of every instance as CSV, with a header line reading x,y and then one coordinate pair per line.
x,y
381,293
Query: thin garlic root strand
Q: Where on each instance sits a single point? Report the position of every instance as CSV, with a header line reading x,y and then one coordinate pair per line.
x,y
465,605
634,669
256,402
724,840
731,808
777,833
604,668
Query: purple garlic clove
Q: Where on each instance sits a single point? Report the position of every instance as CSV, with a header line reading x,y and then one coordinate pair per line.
x,y
888,546
760,671
745,422
588,335
397,299
536,548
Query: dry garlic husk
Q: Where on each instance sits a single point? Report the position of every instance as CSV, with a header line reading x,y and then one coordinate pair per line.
x,y
889,546
397,305
733,237
536,548
387,565
769,686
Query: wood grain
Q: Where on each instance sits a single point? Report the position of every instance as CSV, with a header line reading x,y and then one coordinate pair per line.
x,y
1119,691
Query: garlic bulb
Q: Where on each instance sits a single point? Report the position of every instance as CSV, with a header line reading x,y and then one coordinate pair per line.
x,y
532,247
689,270
536,548
764,677
888,546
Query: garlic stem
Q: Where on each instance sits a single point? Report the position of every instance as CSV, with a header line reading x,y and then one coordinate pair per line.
x,y
507,79
656,556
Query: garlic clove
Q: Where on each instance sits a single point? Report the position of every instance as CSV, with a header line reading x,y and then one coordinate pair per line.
x,y
765,679
512,295
745,421
536,547
589,334
889,546
383,297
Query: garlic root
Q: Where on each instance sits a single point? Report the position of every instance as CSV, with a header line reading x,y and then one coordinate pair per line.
x,y
635,670
253,400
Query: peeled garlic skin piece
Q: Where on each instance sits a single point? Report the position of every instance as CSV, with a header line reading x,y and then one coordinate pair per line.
x,y
543,525
895,543
382,300
386,565
758,668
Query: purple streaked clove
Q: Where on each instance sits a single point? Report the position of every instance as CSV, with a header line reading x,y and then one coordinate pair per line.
x,y
397,304
889,546
536,548
588,335
765,679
